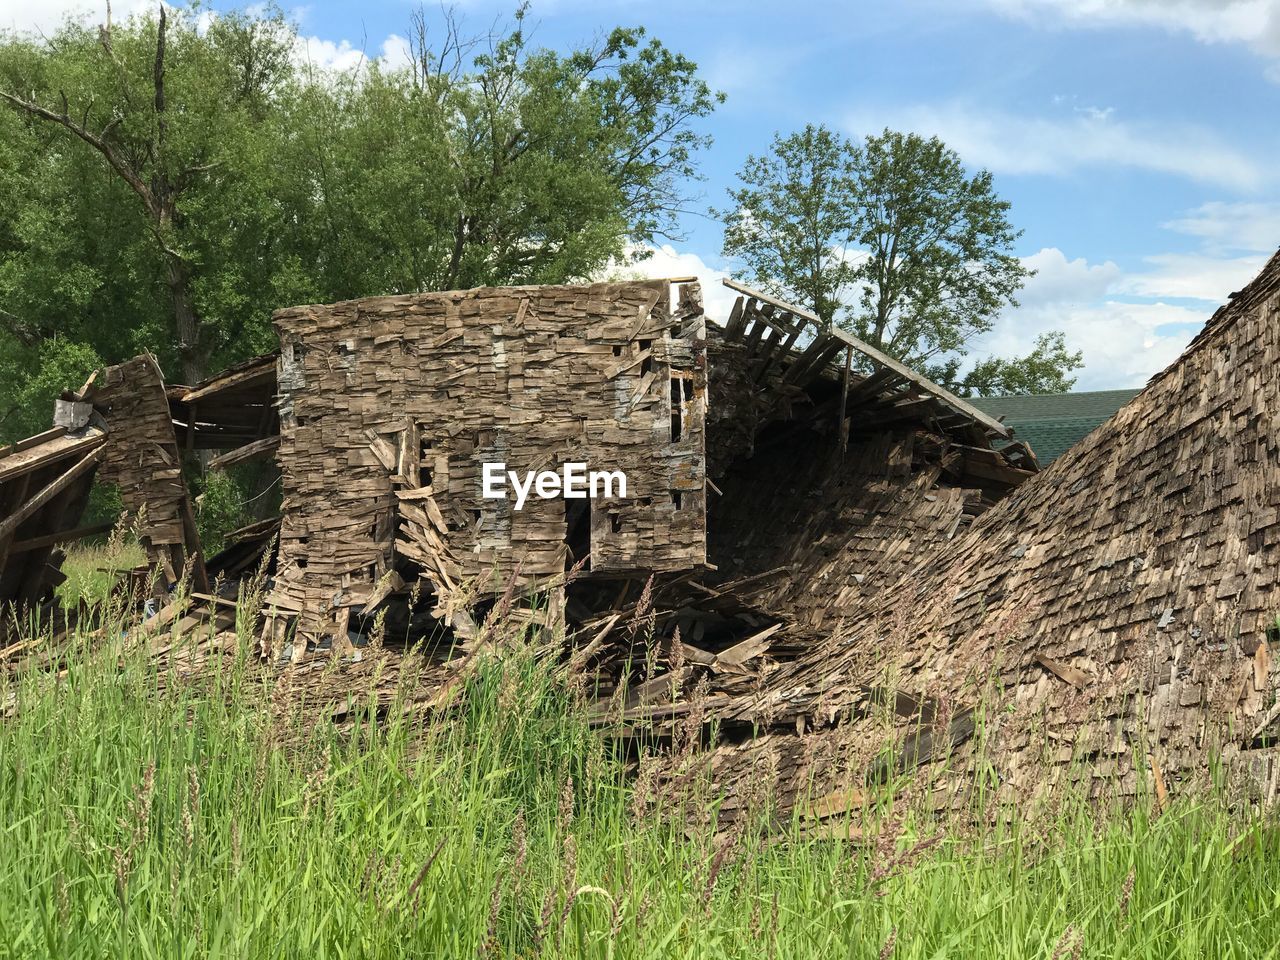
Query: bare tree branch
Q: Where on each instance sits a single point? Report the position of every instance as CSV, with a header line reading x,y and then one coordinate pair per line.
x,y
116,162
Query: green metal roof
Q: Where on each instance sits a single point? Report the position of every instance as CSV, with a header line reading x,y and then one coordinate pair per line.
x,y
1053,422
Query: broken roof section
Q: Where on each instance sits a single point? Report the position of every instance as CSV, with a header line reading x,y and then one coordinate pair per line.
x,y
824,482
833,481
44,485
790,326
1114,619
229,410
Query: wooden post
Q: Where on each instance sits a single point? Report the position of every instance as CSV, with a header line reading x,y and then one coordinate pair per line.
x,y
844,401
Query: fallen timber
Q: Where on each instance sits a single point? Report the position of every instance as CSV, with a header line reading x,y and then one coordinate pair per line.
x,y
815,537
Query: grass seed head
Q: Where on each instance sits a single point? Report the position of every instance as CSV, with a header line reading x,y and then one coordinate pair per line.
x,y
1067,945
886,951
489,947
1126,892
519,843
564,818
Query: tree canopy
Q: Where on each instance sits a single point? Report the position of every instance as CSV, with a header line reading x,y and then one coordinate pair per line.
x,y
895,241
167,181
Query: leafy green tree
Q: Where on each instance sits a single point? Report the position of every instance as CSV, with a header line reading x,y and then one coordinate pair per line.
x,y
168,112
1046,369
39,374
521,165
794,220
891,239
169,180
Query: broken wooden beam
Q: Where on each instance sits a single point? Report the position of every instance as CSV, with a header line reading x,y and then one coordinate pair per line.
x,y
257,450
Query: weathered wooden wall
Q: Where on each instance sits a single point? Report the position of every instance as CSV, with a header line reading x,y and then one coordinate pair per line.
x,y
141,457
390,405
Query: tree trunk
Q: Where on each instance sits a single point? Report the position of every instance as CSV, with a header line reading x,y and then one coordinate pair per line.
x,y
186,322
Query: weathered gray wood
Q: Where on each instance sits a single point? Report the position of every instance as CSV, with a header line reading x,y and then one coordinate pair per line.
x,y
11,523
257,450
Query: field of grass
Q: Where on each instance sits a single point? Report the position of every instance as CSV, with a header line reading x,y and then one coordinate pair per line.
x,y
214,821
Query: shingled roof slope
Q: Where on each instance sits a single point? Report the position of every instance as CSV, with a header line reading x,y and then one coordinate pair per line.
x,y
1051,423
1115,616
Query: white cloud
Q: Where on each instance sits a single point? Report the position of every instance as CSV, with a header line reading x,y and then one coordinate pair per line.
x,y
1254,24
1083,139
1059,280
1232,227
1123,344
665,262
394,54
45,16
1196,276
327,54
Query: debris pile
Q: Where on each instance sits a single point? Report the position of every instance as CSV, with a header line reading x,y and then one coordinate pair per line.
x,y
1114,619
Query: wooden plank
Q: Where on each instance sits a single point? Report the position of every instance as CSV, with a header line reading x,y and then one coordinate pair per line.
x,y
11,523
818,365
928,386
1063,671
384,451
776,301
63,536
389,584
192,552
35,456
737,319
30,442
760,322
256,450
11,495
775,349
806,359
747,649
842,421
836,804
38,571
996,472
879,382
260,372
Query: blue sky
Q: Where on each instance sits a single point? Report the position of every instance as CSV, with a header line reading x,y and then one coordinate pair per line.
x,y
1137,139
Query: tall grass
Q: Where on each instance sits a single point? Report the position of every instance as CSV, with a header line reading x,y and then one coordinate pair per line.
x,y
91,569
203,822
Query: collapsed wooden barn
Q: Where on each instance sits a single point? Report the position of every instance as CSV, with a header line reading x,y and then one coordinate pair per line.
x,y
782,476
